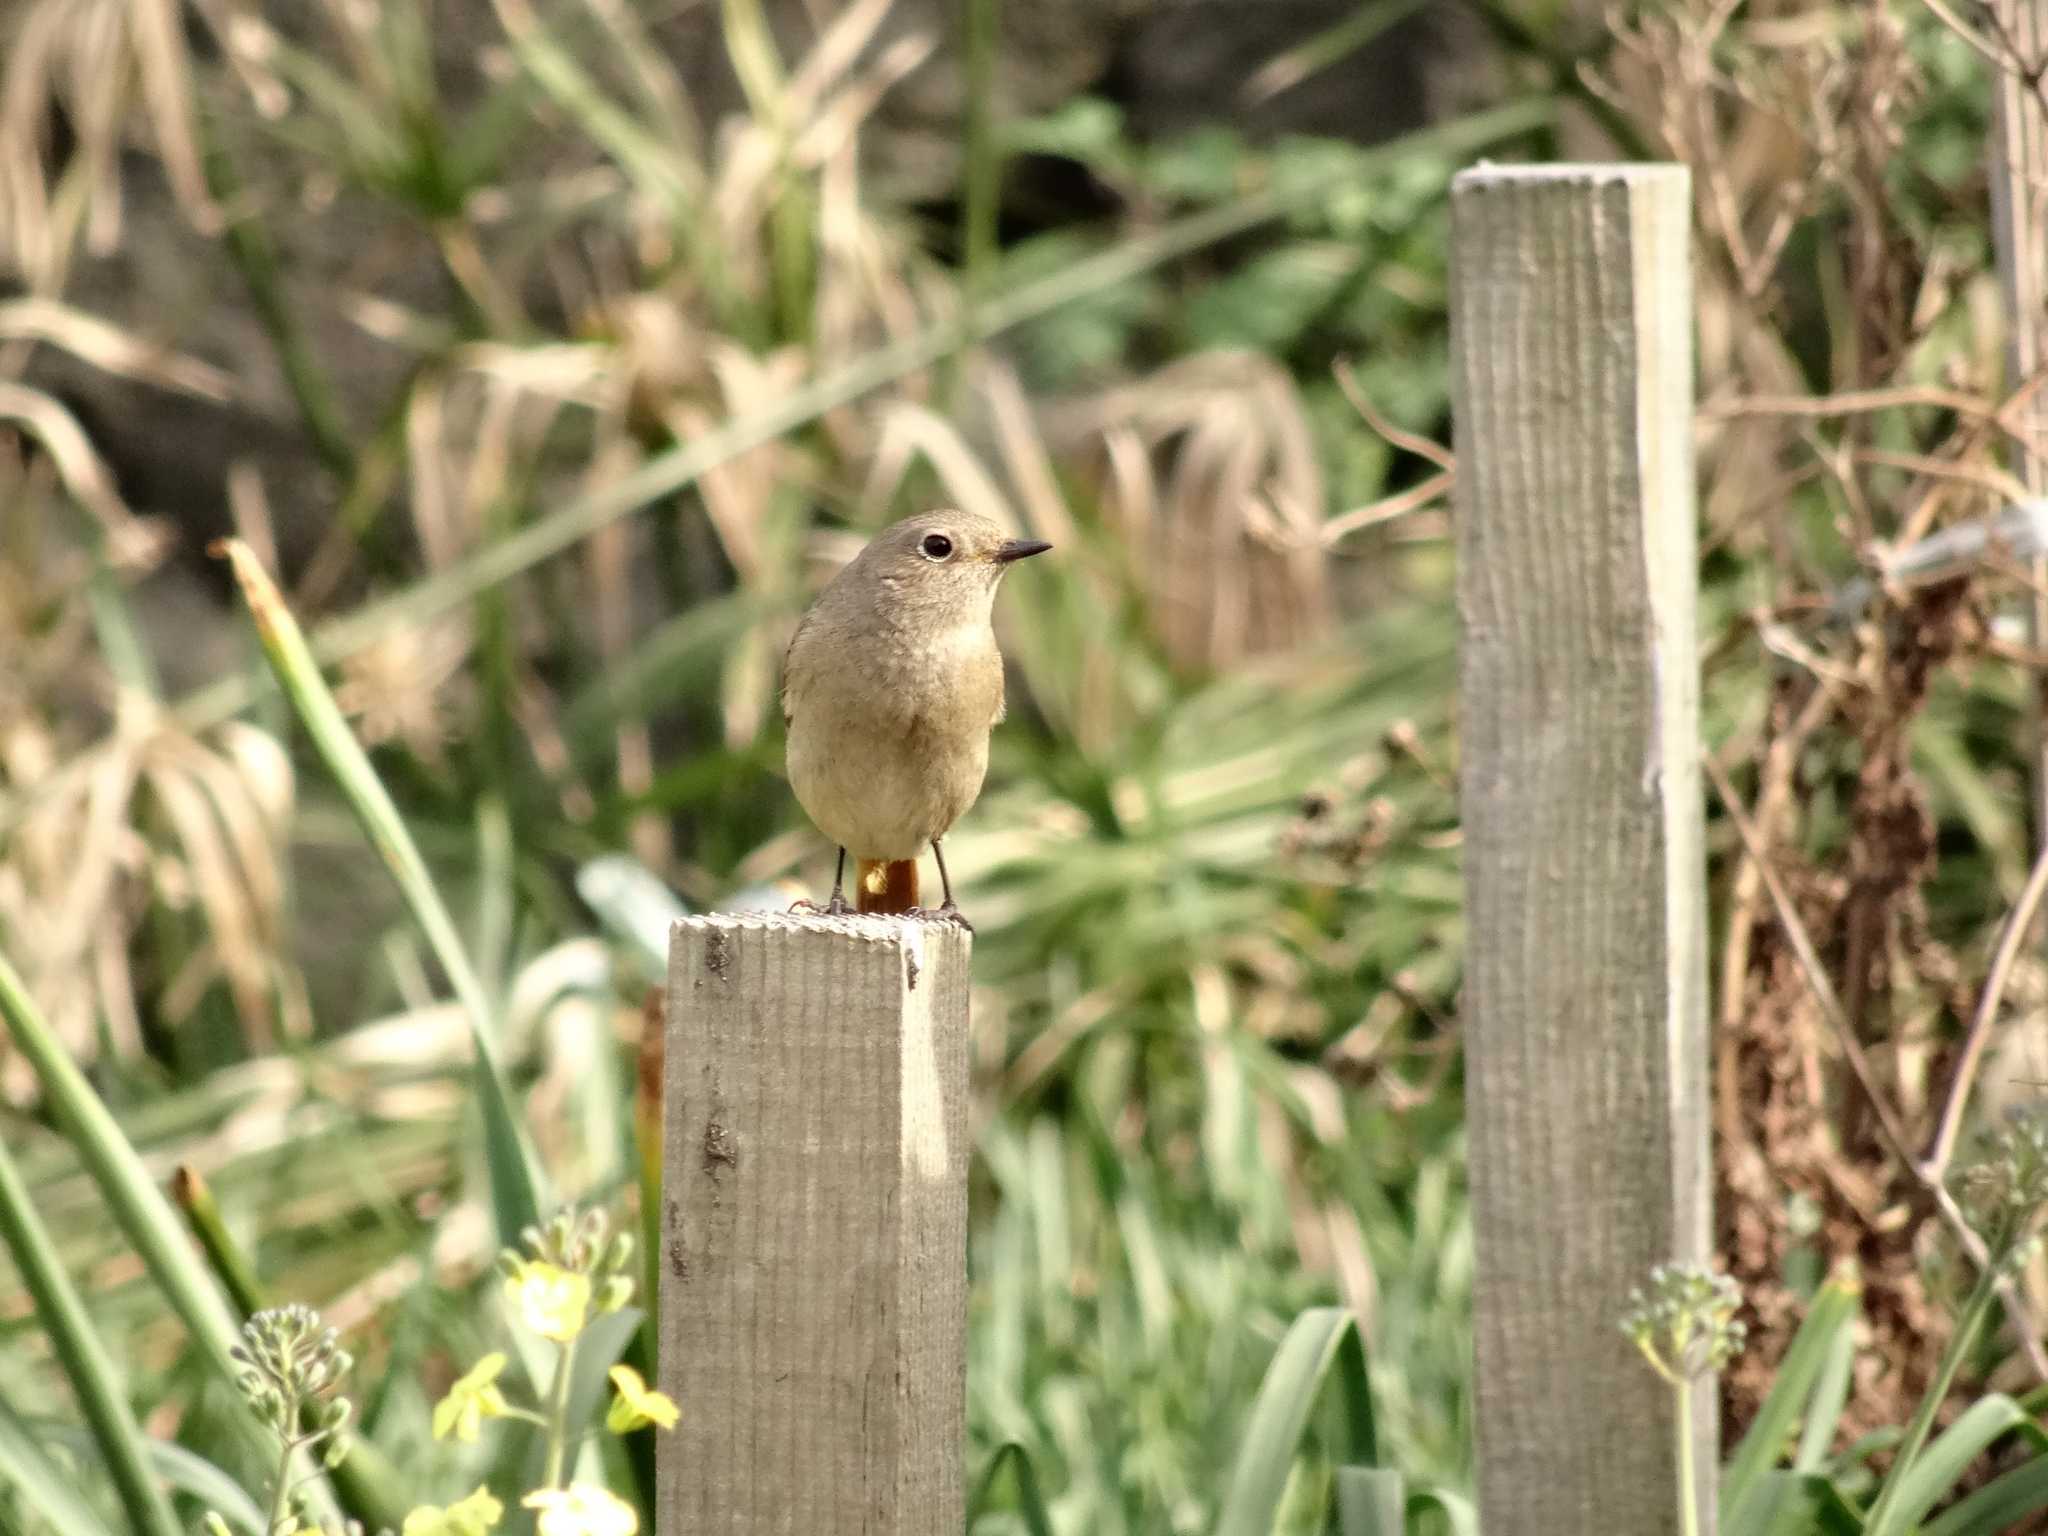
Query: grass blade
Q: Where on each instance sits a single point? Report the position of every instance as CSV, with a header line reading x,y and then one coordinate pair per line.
x,y
515,1182
368,1485
2000,1505
230,1265
1813,1347
143,1212
1316,1341
51,1494
1015,1460
1786,1503
184,1470
87,1367
1457,1514
1371,1501
140,1208
1935,1470
1830,1397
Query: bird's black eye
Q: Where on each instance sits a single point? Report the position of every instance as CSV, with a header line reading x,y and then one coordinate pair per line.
x,y
936,546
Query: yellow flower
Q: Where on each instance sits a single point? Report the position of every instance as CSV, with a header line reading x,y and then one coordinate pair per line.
x,y
467,1517
582,1509
552,1302
470,1401
637,1403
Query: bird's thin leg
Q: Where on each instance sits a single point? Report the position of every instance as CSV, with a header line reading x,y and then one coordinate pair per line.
x,y
838,905
948,911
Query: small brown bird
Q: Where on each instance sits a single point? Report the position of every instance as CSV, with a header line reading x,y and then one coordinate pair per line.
x,y
891,687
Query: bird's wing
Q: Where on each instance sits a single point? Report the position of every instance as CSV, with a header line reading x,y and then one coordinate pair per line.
x,y
991,678
788,667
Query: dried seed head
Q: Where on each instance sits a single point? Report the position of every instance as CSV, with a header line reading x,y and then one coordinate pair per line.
x,y
2007,1186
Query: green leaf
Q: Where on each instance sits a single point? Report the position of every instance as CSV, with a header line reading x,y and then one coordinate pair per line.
x,y
1318,1339
1828,1320
598,1349
1830,1397
1459,1517
1015,1460
1999,1505
368,1484
186,1471
1370,1502
137,1204
87,1367
50,1493
1797,1504
515,1179
1936,1469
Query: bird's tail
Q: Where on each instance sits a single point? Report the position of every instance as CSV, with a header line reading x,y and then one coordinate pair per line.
x,y
885,885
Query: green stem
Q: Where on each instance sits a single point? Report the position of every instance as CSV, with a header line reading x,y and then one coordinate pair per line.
x,y
1688,1494
370,1487
249,246
1975,1310
984,164
558,1418
87,1365
280,1491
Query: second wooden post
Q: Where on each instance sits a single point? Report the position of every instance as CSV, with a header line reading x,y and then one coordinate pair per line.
x,y
814,1227
1585,982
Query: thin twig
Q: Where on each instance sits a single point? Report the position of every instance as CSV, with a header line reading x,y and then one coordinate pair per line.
x,y
1892,1129
1849,402
1422,447
1986,477
1387,508
2016,925
1998,57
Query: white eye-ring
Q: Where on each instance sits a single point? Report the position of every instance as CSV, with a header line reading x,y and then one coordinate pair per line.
x,y
936,546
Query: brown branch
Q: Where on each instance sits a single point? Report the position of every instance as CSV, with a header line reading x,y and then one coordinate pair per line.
x,y
1889,1124
1387,508
1422,447
2017,923
1849,402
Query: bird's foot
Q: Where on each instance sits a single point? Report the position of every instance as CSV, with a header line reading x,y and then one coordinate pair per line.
x,y
838,906
946,913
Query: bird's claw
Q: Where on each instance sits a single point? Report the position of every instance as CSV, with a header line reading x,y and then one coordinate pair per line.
x,y
948,913
838,906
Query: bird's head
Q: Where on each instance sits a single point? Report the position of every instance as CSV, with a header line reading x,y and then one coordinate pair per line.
x,y
945,561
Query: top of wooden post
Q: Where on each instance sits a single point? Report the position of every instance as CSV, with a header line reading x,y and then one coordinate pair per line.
x,y
919,941
1592,172
876,926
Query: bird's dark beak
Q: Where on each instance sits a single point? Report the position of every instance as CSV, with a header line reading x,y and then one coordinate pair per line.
x,y
1019,549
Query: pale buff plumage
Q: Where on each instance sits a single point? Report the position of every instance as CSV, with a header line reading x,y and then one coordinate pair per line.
x,y
893,682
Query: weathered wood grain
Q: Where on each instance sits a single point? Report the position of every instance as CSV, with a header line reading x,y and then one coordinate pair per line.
x,y
814,1227
2019,204
1585,990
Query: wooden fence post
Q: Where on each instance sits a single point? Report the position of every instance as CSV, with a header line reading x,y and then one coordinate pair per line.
x,y
2019,161
1585,981
814,1227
